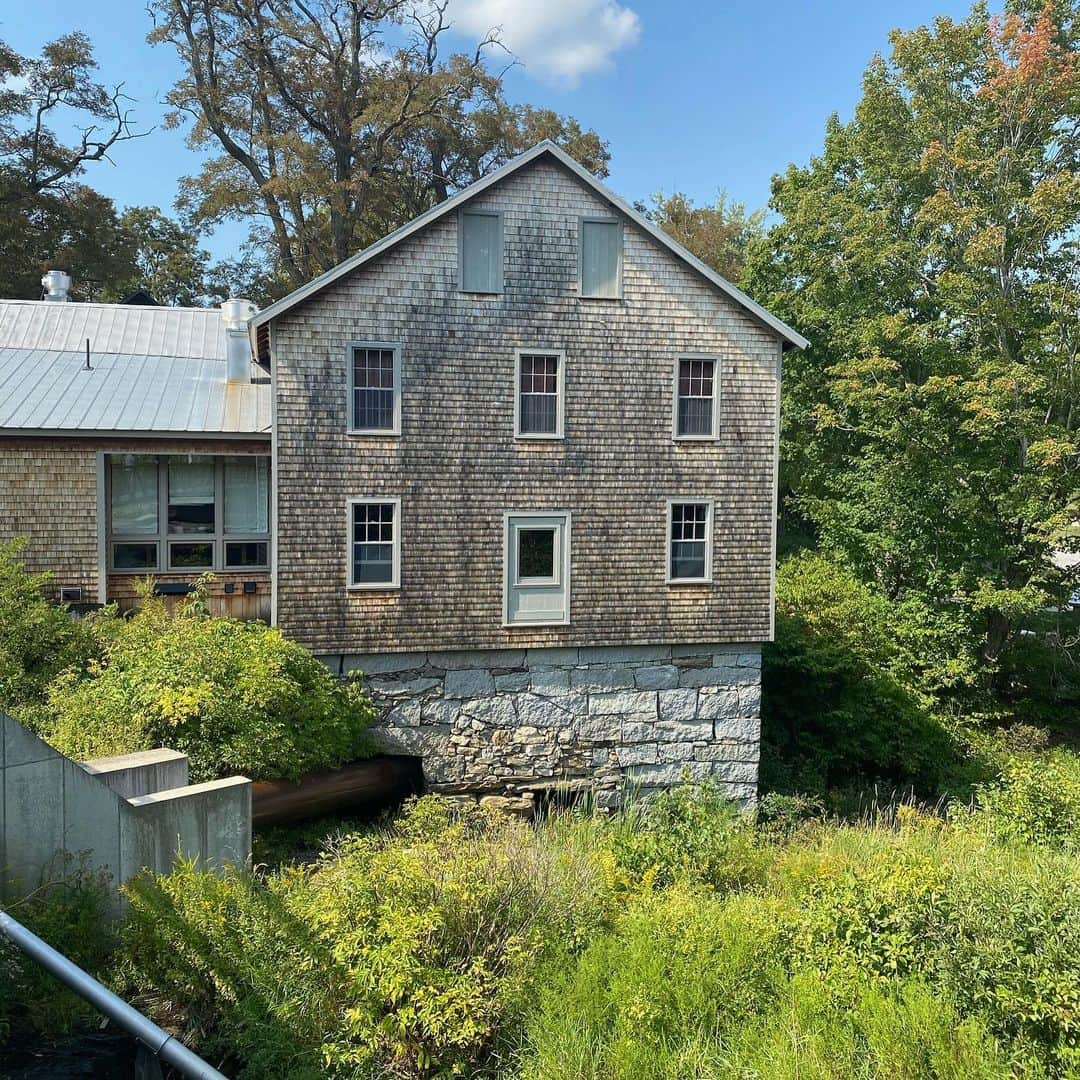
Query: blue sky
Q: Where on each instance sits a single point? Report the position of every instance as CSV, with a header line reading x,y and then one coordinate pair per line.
x,y
692,96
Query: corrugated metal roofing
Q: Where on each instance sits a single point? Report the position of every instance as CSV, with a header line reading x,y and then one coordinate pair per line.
x,y
132,329
49,390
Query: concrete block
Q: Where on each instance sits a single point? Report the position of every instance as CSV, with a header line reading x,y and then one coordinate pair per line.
x,y
624,702
141,773
22,746
91,814
678,705
468,683
661,677
34,817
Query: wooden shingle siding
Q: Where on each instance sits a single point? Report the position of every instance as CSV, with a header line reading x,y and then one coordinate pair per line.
x,y
457,467
48,495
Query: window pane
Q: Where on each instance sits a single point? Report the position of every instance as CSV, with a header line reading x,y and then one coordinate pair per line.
x,y
373,543
191,494
536,553
601,245
135,556
695,406
373,389
247,494
239,553
538,408
198,556
480,250
688,559
134,483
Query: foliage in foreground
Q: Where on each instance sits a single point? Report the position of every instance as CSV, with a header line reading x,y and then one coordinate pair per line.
x,y
236,697
70,914
680,939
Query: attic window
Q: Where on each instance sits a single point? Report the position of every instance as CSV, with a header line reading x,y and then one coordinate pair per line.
x,y
481,251
601,258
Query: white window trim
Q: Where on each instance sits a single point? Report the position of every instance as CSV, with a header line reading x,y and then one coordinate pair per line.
x,y
709,514
350,379
603,220
560,402
714,434
514,515
464,212
164,540
395,550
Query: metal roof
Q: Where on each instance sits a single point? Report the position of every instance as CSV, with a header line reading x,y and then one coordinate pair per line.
x,y
49,391
133,329
786,333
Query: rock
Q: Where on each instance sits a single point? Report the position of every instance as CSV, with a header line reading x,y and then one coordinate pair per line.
x,y
656,678
469,683
624,702
678,705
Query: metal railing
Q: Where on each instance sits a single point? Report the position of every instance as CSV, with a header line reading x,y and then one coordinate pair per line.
x,y
163,1046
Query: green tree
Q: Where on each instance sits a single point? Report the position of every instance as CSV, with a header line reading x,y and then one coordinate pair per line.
x,y
329,126
719,235
930,254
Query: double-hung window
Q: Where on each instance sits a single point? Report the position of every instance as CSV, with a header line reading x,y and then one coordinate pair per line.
x,y
374,388
539,394
374,543
689,554
188,512
697,397
480,255
601,258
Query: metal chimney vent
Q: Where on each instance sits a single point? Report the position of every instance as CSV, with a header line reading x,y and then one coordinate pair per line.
x,y
236,313
56,285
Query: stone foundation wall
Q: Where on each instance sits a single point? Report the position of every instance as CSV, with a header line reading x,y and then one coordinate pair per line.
x,y
512,722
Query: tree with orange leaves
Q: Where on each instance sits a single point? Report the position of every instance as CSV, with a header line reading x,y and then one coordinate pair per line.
x,y
931,255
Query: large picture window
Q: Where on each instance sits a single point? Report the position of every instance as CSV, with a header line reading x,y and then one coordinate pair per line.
x,y
188,512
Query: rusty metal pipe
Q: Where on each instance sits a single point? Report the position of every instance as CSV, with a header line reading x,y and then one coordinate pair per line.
x,y
362,787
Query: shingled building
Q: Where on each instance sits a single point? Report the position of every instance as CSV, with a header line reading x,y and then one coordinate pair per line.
x,y
524,454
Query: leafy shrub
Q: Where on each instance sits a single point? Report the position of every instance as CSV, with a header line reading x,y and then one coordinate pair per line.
x,y
851,685
236,697
70,914
410,953
1036,799
689,833
38,639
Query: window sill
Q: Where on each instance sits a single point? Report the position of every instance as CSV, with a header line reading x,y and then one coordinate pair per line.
x,y
381,433
480,294
695,438
539,438
563,623
689,581
602,299
377,587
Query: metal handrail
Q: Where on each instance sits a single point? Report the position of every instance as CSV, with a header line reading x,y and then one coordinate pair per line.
x,y
160,1043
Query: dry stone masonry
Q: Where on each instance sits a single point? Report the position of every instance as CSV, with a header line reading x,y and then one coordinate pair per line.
x,y
517,722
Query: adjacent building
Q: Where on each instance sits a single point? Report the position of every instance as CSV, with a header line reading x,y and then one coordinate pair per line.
x,y
135,441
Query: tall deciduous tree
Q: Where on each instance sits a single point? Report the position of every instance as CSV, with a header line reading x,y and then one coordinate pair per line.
x,y
719,235
930,254
332,122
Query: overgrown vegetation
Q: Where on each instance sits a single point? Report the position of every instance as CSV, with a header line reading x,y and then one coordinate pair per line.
x,y
678,939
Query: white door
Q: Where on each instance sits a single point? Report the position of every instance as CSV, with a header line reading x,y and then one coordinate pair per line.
x,y
537,568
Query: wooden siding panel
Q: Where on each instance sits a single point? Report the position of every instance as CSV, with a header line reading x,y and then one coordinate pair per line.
x,y
457,467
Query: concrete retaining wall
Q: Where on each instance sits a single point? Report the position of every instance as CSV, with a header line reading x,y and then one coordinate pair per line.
x,y
511,722
51,806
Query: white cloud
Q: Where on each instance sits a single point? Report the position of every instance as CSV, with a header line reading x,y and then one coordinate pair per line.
x,y
559,40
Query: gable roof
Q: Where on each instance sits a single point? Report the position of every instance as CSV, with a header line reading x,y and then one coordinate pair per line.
x,y
789,336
